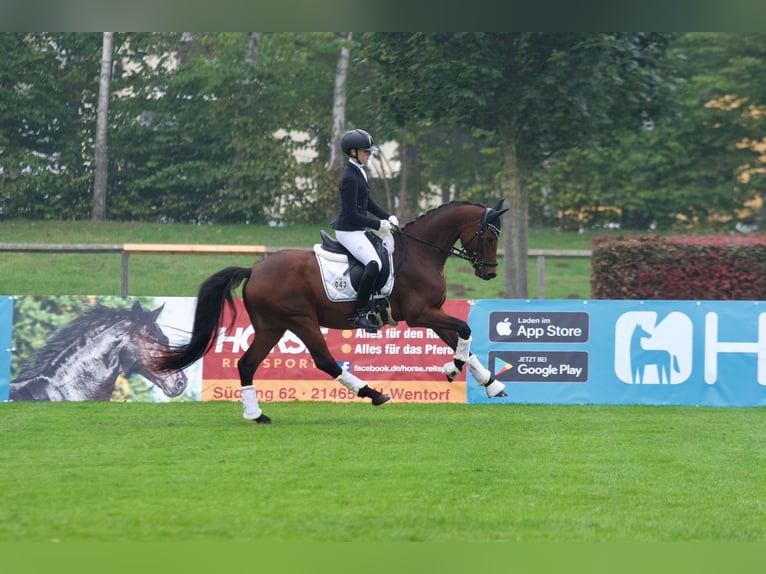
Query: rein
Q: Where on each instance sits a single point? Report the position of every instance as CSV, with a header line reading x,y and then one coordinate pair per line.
x,y
476,259
452,251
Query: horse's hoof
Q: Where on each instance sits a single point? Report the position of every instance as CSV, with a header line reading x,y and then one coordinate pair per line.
x,y
451,370
263,420
380,399
495,389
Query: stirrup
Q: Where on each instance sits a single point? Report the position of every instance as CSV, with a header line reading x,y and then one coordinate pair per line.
x,y
364,319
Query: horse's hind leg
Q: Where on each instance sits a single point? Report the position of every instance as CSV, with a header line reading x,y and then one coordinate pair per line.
x,y
263,342
317,346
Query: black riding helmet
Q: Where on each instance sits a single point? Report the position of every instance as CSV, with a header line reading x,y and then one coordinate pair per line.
x,y
357,139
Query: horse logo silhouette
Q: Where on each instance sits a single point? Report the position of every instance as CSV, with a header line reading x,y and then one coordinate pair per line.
x,y
641,357
649,352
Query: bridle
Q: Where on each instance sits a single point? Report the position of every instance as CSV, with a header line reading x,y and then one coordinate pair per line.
x,y
474,256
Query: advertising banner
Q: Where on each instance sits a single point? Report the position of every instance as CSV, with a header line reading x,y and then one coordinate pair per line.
x,y
402,361
622,352
6,330
80,348
710,353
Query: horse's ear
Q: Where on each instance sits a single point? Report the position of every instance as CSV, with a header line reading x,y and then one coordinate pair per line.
x,y
494,215
157,311
497,212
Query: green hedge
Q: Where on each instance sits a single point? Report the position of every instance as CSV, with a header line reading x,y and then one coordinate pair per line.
x,y
686,268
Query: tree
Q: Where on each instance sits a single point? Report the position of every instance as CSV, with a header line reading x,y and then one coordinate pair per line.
x,y
698,166
101,156
730,69
46,120
339,106
538,93
206,134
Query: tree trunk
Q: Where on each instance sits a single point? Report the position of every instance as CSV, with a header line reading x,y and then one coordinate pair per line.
x,y
251,52
404,161
102,121
408,205
515,225
760,220
339,104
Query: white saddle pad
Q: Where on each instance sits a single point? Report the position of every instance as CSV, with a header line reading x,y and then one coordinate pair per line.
x,y
335,276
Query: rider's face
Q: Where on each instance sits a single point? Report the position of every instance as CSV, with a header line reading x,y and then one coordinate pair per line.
x,y
363,156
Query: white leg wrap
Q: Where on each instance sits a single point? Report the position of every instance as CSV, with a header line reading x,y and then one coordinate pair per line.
x,y
350,381
481,374
463,349
250,401
450,369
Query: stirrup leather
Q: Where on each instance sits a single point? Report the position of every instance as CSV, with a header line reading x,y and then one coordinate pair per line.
x,y
382,312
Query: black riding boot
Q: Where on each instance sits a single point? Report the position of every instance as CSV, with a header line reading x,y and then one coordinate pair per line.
x,y
363,317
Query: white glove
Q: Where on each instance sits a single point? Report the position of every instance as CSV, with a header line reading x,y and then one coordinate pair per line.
x,y
385,226
394,221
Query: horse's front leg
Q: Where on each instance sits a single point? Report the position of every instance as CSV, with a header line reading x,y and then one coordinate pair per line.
x,y
457,334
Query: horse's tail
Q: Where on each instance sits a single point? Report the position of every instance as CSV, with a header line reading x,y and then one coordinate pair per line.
x,y
214,293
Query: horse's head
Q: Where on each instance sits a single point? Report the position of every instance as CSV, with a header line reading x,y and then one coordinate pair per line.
x,y
480,244
641,333
151,343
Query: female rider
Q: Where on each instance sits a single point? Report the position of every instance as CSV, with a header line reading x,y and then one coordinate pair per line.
x,y
352,220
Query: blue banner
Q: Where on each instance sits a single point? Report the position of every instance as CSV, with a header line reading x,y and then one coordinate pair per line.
x,y
709,353
6,345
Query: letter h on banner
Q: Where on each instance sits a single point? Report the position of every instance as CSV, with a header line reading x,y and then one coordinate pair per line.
x,y
713,347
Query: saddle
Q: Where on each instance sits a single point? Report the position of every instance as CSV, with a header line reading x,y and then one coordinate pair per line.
x,y
342,273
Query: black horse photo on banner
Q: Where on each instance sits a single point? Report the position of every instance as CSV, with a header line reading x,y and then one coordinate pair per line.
x,y
83,359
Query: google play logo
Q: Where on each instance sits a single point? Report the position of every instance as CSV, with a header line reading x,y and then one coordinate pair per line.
x,y
504,366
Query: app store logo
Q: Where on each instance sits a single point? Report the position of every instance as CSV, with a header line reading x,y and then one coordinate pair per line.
x,y
539,327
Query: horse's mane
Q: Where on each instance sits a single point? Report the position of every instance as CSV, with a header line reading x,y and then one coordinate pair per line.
x,y
95,318
441,207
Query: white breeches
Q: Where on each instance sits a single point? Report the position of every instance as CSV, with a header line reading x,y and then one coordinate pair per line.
x,y
361,248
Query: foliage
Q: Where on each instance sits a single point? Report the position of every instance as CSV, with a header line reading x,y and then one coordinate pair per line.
x,y
48,121
538,94
544,91
208,130
688,268
681,171
663,129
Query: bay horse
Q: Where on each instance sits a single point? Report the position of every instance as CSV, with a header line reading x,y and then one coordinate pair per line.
x,y
284,292
82,360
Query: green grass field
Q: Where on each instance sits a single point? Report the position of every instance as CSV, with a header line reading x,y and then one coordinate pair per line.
x,y
180,275
332,472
